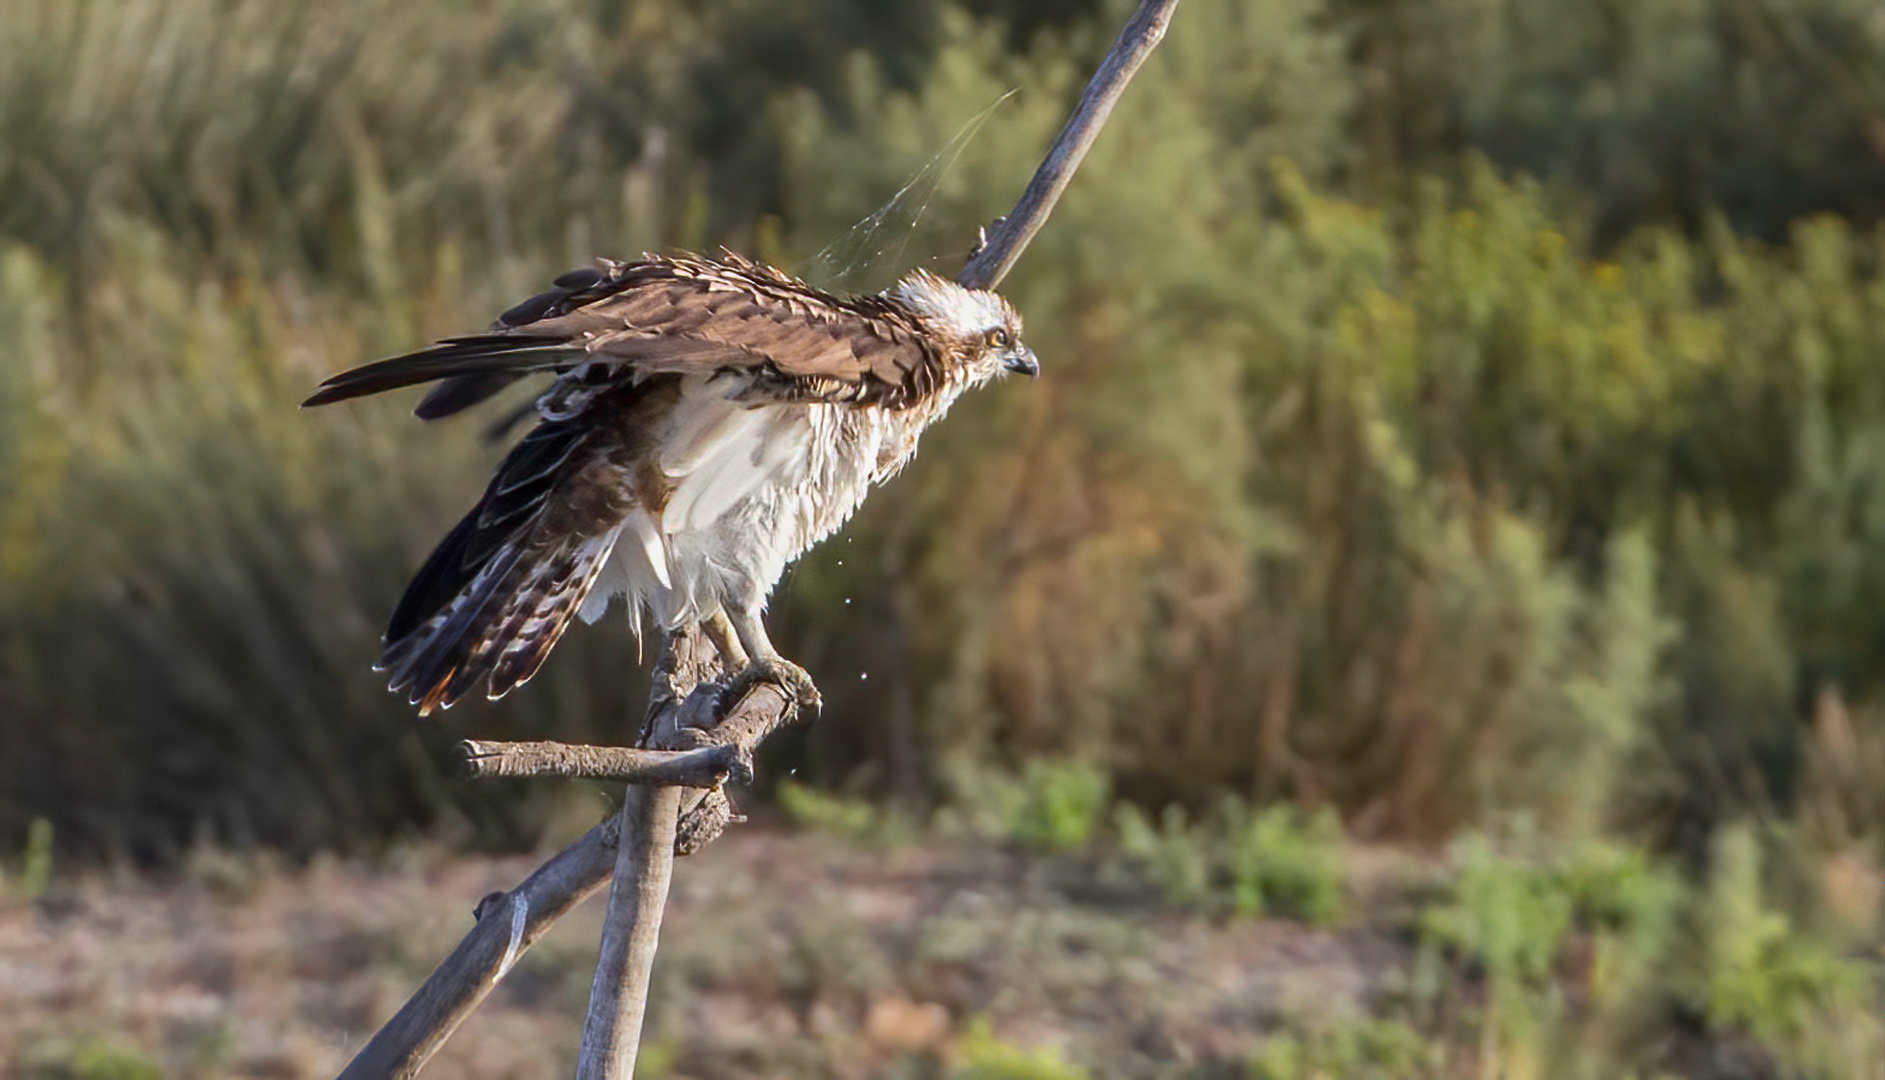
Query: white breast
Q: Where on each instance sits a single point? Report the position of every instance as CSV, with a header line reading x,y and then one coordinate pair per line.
x,y
754,487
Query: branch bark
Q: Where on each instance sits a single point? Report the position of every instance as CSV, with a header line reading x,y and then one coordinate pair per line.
x,y
644,864
703,768
631,931
999,250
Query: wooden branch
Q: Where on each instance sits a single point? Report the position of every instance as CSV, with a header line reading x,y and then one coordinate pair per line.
x,y
631,931
644,865
706,767
508,924
995,255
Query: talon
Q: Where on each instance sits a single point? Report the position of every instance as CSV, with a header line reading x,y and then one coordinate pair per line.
x,y
787,676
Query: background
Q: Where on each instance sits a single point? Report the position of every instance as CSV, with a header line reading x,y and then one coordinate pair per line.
x,y
1459,450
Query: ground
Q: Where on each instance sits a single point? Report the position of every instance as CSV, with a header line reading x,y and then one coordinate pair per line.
x,y
783,955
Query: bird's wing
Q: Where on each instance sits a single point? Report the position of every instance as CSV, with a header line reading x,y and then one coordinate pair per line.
x,y
677,315
500,589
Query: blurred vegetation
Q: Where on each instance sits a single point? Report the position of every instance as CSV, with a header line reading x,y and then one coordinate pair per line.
x,y
1275,861
985,1057
95,1060
1362,1049
1456,410
1520,953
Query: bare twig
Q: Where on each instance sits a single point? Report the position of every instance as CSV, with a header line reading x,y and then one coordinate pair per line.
x,y
703,768
996,255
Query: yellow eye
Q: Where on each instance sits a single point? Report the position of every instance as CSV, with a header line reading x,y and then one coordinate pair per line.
x,y
998,338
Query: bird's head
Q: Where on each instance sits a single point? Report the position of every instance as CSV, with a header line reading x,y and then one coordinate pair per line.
x,y
982,330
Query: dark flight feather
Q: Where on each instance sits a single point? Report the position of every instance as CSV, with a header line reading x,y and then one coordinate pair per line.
x,y
486,355
457,393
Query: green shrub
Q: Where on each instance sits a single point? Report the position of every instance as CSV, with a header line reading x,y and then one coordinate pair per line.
x,y
1507,913
36,860
1630,905
857,820
1366,1049
96,1060
1063,804
1283,861
982,1056
1176,855
1278,860
1763,975
1050,805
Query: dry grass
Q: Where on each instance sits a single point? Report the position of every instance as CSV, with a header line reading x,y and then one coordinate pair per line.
x,y
814,955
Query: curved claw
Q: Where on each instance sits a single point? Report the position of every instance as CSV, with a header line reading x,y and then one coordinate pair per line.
x,y
790,678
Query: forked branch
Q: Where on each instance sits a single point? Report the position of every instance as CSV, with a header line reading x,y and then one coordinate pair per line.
x,y
662,816
510,922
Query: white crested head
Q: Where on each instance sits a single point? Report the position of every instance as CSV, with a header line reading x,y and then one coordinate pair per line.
x,y
952,309
984,329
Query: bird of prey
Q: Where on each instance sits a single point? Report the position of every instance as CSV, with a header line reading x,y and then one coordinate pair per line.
x,y
711,418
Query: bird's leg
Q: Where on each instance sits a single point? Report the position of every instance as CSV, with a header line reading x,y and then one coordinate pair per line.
x,y
725,639
766,665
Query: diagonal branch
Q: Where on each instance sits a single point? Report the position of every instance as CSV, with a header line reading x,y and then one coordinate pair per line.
x,y
508,924
996,255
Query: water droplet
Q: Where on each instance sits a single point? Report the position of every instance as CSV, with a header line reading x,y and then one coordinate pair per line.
x,y
863,674
847,599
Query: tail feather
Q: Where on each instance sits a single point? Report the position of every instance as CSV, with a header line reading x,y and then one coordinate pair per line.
x,y
424,659
499,629
543,624
498,592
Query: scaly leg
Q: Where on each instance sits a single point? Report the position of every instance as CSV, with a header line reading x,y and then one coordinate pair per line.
x,y
725,640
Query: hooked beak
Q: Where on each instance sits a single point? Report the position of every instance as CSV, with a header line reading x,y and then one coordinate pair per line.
x,y
1023,362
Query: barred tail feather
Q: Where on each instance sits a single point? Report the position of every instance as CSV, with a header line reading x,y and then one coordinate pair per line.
x,y
500,626
532,628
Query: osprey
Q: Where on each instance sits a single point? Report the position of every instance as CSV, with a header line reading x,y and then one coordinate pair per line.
x,y
710,420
